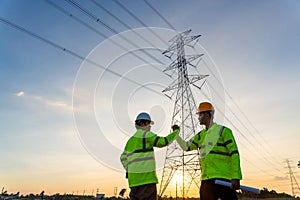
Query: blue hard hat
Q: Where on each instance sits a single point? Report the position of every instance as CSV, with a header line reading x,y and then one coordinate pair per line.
x,y
144,116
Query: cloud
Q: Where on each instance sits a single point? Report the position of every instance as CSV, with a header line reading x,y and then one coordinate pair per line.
x,y
54,104
48,102
20,94
57,104
279,178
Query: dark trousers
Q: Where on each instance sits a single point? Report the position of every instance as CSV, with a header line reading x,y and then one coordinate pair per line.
x,y
211,191
143,192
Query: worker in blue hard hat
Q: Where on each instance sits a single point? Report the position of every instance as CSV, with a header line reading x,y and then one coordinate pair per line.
x,y
138,158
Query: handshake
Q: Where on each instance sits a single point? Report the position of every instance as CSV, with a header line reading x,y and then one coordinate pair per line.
x,y
175,127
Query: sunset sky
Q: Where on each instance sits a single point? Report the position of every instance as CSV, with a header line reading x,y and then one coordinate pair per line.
x,y
64,121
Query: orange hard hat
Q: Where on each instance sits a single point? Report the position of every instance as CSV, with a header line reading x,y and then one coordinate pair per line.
x,y
205,106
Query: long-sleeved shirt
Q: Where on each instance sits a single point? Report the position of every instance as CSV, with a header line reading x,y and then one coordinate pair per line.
x,y
219,156
138,157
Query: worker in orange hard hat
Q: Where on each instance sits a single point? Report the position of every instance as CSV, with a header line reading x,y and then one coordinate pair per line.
x,y
219,156
205,106
205,109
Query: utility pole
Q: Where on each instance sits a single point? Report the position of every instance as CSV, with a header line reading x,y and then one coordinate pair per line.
x,y
187,163
176,192
115,191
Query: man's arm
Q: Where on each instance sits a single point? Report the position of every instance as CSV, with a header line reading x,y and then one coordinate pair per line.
x,y
187,146
159,141
182,143
124,161
233,151
235,184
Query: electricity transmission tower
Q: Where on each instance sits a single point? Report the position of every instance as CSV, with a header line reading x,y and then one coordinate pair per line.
x,y
185,163
294,183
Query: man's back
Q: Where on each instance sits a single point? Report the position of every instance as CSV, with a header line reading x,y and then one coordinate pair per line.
x,y
139,153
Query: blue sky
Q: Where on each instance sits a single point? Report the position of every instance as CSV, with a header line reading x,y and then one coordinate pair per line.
x,y
254,44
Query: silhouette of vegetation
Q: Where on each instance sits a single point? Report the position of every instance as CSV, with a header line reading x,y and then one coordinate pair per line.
x,y
122,192
242,195
265,194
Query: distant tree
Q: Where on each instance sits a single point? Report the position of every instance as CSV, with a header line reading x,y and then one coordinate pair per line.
x,y
42,194
31,196
4,193
122,192
265,193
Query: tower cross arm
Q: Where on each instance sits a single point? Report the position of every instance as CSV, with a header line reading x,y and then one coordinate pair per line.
x,y
171,87
195,78
173,65
180,35
190,59
188,40
172,47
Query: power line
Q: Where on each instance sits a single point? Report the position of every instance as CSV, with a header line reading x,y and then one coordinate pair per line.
x,y
121,22
64,11
91,15
57,46
139,20
108,27
160,15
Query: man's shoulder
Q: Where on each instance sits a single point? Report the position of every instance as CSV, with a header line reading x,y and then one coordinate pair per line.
x,y
150,134
224,127
140,133
200,134
225,131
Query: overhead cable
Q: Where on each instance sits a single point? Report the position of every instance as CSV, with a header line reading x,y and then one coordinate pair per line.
x,y
160,15
57,46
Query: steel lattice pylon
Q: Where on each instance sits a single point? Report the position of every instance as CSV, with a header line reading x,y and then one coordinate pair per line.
x,y
294,183
186,163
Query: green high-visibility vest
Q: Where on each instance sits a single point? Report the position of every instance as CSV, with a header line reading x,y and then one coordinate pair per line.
x,y
138,157
219,156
